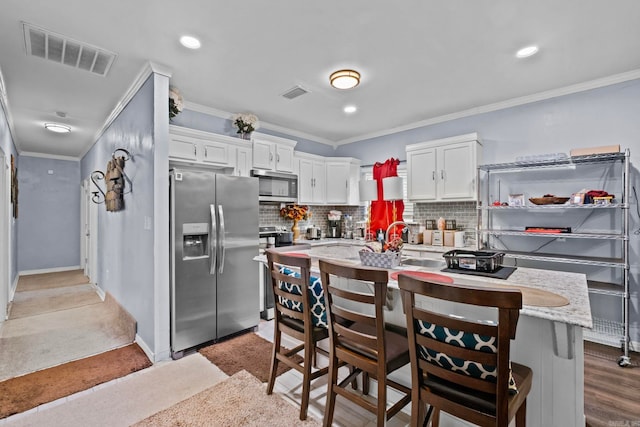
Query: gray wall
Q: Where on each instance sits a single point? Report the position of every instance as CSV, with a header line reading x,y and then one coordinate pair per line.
x,y
49,214
603,116
126,238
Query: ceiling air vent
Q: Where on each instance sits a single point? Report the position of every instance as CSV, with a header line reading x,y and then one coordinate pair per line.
x,y
63,50
295,92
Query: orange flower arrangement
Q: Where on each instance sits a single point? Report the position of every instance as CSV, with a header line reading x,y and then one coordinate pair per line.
x,y
295,212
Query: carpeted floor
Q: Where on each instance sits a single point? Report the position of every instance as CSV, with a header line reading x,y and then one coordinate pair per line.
x,y
28,391
240,400
56,318
35,282
248,352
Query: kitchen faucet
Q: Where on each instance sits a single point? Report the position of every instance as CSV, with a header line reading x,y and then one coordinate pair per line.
x,y
393,224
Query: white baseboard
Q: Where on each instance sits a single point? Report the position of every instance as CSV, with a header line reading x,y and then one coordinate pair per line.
x,y
12,291
143,345
48,270
99,291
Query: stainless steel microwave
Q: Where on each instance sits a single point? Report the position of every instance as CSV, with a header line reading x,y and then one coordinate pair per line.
x,y
276,187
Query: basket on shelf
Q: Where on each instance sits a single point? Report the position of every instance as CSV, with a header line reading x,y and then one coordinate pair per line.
x,y
380,260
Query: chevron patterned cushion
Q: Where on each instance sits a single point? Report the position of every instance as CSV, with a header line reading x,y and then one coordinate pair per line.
x,y
316,296
463,339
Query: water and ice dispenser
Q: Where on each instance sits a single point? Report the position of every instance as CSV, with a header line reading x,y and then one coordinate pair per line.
x,y
195,240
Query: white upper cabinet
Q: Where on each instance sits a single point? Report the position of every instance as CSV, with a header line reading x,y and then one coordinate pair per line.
x,y
273,153
195,146
342,181
311,179
243,161
444,169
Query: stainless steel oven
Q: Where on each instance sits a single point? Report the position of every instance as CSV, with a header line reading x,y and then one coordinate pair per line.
x,y
276,187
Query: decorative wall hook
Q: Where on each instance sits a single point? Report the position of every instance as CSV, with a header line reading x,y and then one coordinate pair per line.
x,y
115,182
95,198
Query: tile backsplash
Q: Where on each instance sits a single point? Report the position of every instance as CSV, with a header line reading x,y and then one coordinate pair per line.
x,y
270,215
464,213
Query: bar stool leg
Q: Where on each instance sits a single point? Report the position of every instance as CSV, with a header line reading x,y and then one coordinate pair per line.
x,y
274,360
331,395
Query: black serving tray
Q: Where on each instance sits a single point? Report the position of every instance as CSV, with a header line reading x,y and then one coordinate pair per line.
x,y
484,261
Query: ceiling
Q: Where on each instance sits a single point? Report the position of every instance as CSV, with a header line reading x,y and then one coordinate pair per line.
x,y
419,59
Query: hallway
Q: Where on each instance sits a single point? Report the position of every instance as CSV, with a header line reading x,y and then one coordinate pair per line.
x,y
56,318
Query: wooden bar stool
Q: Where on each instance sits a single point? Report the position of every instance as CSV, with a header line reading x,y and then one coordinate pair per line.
x,y
358,337
462,366
299,313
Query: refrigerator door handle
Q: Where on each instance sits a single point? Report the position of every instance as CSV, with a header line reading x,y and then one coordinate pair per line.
x,y
223,249
213,241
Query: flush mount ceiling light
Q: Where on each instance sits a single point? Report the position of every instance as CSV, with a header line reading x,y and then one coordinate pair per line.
x,y
57,128
349,109
190,42
526,52
345,79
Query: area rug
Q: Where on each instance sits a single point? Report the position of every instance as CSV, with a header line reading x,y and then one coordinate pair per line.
x,y
28,391
240,400
249,352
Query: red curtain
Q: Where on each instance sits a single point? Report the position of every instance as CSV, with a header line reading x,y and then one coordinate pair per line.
x,y
381,210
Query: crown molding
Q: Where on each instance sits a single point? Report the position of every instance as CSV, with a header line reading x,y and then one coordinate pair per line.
x,y
541,96
147,70
49,156
266,125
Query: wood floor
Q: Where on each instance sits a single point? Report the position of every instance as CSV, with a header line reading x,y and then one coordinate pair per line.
x,y
611,393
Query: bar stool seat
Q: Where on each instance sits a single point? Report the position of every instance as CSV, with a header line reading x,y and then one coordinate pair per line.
x,y
460,365
294,316
358,337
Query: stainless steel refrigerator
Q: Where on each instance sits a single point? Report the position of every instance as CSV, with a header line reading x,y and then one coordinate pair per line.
x,y
214,238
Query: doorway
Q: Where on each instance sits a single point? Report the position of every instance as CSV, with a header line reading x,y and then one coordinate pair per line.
x,y
5,246
88,233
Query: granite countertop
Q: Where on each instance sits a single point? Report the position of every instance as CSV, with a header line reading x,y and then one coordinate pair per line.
x,y
572,286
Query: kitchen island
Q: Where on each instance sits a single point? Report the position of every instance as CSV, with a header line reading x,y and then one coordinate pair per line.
x,y
548,339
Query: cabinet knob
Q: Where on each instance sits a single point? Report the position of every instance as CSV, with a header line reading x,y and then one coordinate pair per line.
x,y
433,175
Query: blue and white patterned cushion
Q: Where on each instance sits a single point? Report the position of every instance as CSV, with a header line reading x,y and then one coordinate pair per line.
x,y
463,339
316,297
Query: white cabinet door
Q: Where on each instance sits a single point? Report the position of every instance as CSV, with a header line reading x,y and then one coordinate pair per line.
x,y
311,181
444,170
182,149
243,161
337,183
284,158
216,153
421,174
319,184
263,157
305,181
457,171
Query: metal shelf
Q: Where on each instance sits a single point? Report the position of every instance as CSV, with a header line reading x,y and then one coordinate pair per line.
x,y
604,331
567,259
601,236
554,207
605,288
544,164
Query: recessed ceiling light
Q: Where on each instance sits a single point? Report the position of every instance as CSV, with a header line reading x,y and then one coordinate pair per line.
x,y
57,127
345,79
190,42
525,52
350,109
